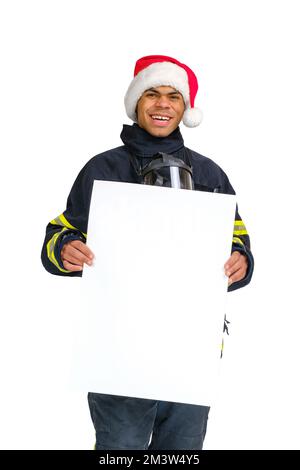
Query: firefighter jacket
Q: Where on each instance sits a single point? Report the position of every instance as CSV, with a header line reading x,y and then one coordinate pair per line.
x,y
117,165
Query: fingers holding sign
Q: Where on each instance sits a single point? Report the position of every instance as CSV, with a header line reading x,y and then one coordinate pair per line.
x,y
74,254
236,267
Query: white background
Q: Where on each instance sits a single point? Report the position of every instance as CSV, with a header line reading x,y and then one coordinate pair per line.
x,y
65,67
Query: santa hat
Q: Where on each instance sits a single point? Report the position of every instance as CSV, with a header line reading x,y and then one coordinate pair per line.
x,y
159,70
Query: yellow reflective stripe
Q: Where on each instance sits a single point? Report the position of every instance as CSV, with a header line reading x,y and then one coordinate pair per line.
x,y
237,240
55,221
239,228
63,222
239,225
50,250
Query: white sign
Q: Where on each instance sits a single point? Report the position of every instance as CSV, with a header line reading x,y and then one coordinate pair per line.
x,y
151,324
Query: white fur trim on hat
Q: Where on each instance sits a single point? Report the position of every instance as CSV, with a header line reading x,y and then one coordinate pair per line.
x,y
157,74
192,117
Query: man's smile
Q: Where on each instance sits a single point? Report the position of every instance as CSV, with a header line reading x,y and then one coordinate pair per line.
x,y
160,119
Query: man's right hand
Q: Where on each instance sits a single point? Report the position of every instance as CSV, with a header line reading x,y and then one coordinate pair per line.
x,y
74,254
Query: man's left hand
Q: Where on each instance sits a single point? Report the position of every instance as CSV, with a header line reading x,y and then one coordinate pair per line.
x,y
236,267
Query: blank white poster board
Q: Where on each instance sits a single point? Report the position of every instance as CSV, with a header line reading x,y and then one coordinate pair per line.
x,y
153,303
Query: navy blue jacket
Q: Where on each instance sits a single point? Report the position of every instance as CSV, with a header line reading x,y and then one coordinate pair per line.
x,y
116,165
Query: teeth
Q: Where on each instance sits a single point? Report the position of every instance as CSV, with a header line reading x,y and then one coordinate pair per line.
x,y
161,118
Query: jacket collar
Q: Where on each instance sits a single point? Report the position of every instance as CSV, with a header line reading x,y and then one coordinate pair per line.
x,y
142,144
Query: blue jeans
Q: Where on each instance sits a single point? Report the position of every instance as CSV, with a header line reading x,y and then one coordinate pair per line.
x,y
129,423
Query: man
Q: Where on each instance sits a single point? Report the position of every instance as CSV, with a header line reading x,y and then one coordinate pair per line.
x,y
160,96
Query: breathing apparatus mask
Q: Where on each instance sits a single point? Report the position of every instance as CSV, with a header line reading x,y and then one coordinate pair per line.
x,y
166,170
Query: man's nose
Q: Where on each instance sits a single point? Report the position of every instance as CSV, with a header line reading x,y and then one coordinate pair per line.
x,y
163,101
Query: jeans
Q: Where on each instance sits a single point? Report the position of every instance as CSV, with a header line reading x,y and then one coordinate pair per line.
x,y
130,423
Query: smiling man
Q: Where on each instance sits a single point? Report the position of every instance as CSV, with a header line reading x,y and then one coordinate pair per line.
x,y
160,96
160,110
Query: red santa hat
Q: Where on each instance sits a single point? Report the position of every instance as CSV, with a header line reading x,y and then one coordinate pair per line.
x,y
159,70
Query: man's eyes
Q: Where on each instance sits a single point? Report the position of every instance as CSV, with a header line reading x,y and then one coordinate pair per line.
x,y
151,94
156,95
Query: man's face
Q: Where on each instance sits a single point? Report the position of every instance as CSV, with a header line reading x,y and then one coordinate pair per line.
x,y
160,110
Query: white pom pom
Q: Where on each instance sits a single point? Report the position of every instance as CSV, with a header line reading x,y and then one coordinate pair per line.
x,y
192,117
